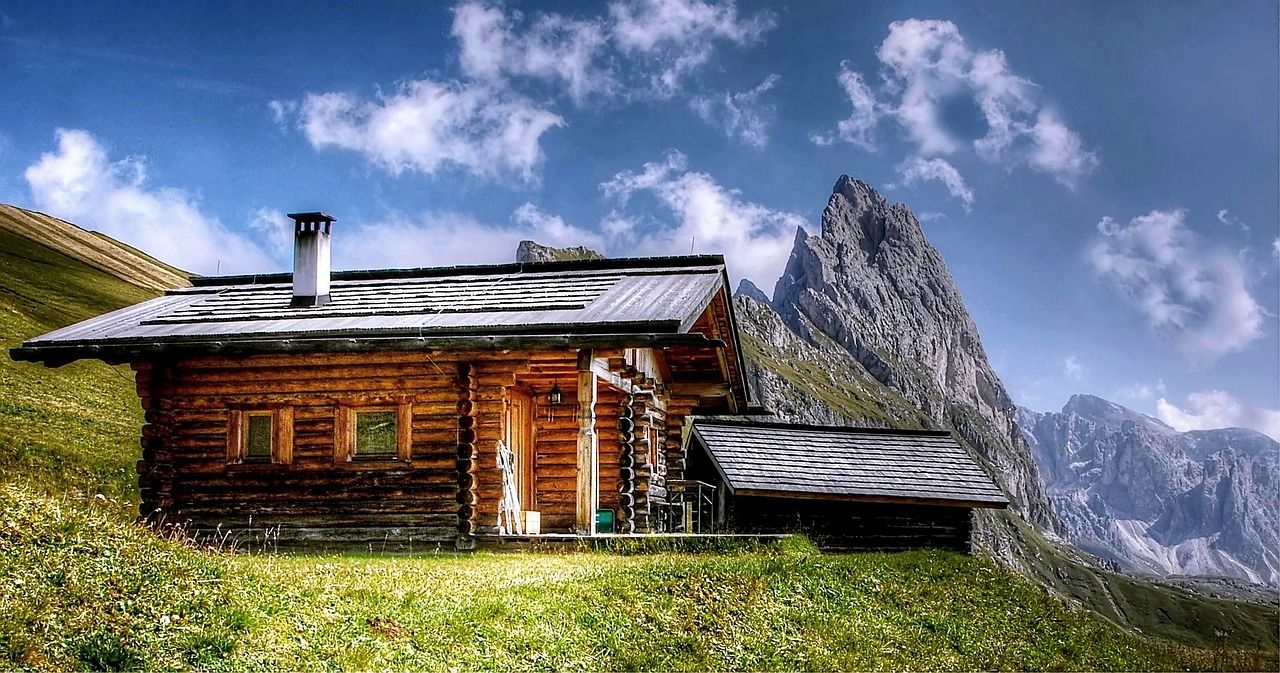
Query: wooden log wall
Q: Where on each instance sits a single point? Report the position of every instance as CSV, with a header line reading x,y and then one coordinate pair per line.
x,y
649,490
450,403
446,485
466,464
626,517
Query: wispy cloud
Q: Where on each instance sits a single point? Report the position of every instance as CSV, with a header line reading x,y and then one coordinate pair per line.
x,y
1183,287
919,169
1213,409
859,128
926,64
554,47
755,238
1140,391
741,116
636,46
680,35
1225,217
1074,369
79,182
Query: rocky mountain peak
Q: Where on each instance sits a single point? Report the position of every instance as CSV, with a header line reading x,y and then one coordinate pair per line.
x,y
747,288
1098,410
873,284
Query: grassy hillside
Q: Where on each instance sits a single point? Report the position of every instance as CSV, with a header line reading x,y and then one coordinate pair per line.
x,y
85,588
75,426
92,248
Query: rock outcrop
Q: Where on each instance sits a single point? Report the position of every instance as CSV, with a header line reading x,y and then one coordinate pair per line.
x,y
1135,491
529,251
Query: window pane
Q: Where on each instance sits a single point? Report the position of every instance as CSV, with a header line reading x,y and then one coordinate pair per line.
x,y
376,433
257,443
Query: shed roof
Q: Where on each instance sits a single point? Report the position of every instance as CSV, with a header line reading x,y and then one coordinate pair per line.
x,y
645,301
806,461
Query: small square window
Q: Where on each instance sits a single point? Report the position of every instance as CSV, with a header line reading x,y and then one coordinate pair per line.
x,y
257,437
375,434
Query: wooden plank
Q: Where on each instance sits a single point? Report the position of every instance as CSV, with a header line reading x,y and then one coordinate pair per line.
x,y
588,489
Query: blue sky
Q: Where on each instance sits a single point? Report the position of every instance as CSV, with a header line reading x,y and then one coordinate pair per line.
x,y
1100,178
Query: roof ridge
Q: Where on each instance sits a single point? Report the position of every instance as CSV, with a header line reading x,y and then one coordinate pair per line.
x,y
848,429
609,264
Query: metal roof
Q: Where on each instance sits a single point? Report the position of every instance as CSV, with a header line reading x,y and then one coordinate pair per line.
x,y
650,298
806,461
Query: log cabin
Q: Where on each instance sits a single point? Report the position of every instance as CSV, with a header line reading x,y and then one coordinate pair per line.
x,y
436,406
846,488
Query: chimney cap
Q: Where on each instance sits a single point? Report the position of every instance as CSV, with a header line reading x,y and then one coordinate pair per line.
x,y
311,218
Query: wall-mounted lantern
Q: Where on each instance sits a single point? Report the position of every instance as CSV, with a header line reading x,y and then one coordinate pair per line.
x,y
554,398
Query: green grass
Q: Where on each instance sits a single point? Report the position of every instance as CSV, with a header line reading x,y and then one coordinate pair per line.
x,y
87,591
85,588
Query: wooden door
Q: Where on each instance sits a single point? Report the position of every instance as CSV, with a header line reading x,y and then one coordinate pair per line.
x,y
520,413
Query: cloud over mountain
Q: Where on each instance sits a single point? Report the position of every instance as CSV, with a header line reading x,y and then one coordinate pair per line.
x,y
927,66
79,182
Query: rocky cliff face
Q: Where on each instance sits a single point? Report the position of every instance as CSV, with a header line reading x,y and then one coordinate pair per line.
x,y
1131,489
871,291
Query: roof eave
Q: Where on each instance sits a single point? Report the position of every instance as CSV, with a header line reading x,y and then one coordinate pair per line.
x,y
992,503
56,355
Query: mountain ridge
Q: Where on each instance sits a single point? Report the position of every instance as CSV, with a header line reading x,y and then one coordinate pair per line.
x,y
1133,490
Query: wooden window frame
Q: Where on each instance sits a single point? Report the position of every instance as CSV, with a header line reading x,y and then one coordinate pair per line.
x,y
281,435
344,441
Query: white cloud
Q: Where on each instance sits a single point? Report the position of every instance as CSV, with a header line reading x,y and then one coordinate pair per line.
x,y
1218,409
1140,391
446,238
1074,369
1225,217
755,239
680,35
740,115
80,183
553,230
859,127
926,65
1184,288
916,169
553,47
276,229
483,125
427,126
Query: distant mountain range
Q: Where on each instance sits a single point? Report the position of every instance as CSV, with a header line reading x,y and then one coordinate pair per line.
x,y
1133,490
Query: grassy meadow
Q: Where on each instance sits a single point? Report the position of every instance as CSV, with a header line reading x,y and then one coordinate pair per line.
x,y
85,589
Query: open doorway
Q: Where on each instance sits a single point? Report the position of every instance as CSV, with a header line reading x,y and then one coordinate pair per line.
x,y
519,436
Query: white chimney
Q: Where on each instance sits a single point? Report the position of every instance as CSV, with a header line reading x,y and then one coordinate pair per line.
x,y
310,258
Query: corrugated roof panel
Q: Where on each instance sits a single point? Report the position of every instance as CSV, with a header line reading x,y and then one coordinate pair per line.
x,y
594,298
846,462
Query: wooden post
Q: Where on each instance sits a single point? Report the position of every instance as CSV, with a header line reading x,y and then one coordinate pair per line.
x,y
588,497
